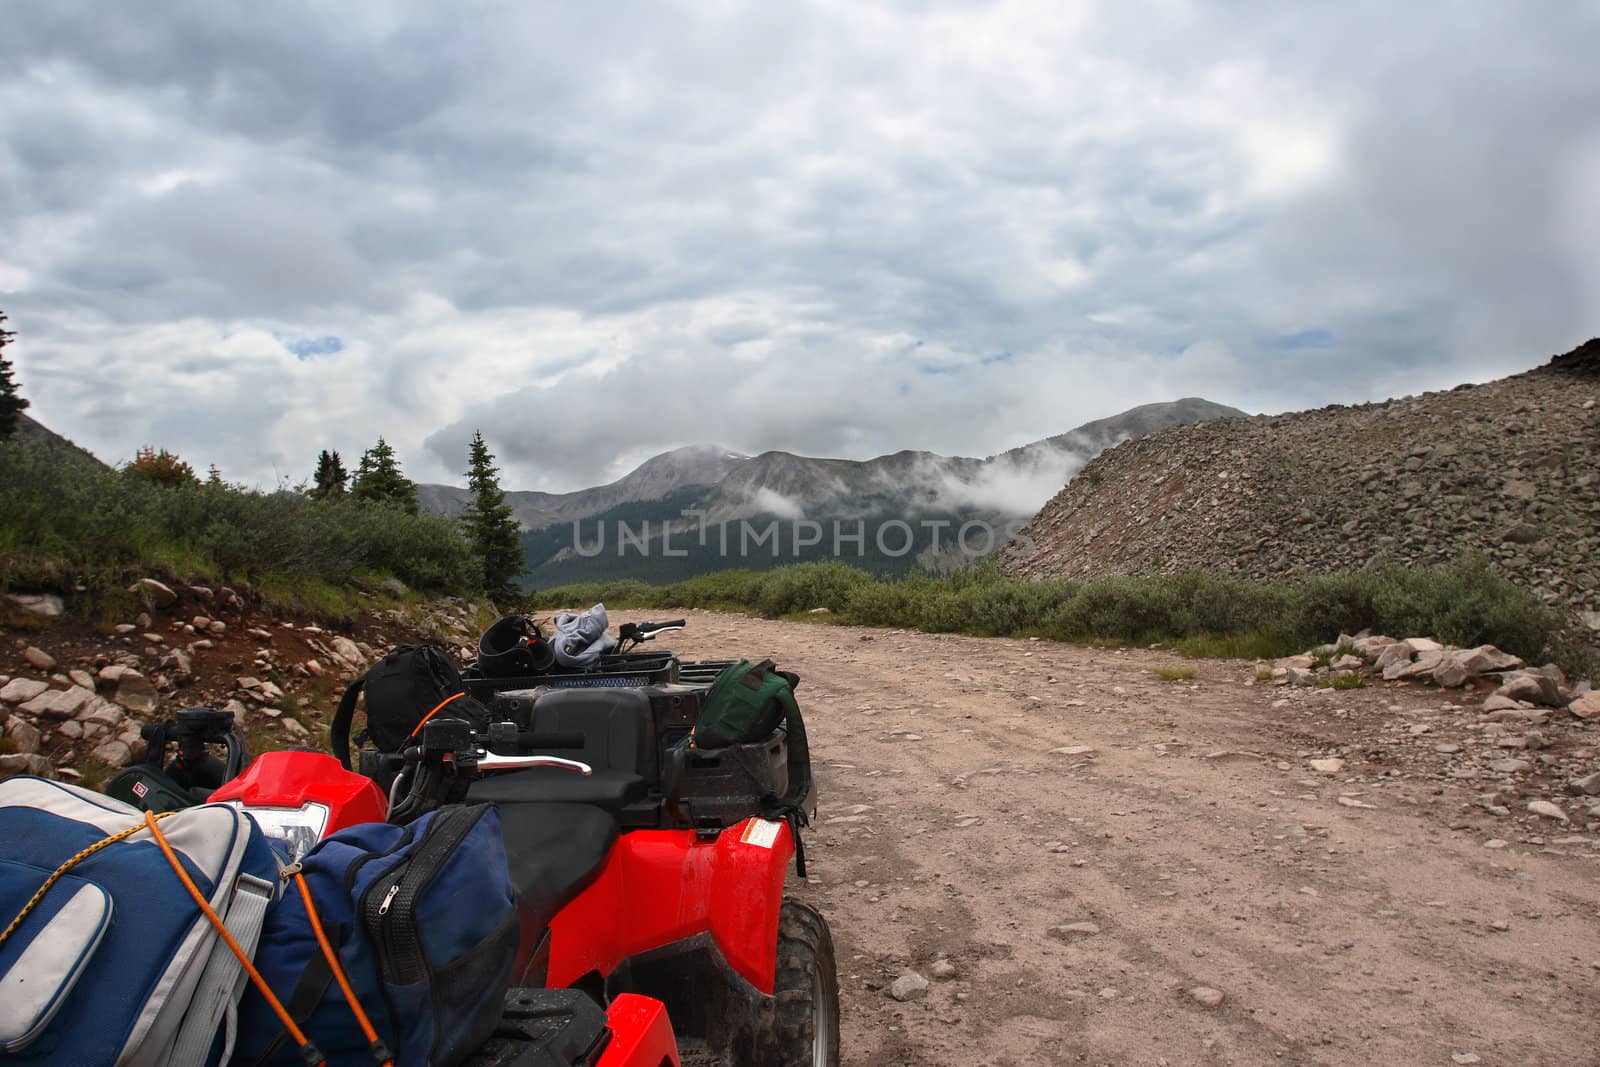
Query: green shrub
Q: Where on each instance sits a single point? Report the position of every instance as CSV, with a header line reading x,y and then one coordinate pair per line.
x,y
1202,614
77,518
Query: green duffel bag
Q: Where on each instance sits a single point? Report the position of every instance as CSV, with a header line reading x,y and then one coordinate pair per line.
x,y
746,703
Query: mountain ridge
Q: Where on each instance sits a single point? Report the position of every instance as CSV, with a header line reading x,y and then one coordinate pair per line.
x,y
788,484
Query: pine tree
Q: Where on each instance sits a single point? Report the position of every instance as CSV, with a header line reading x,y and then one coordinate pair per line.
x,y
379,480
495,536
330,478
11,405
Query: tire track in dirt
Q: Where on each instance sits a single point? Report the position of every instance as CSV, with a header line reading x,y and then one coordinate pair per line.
x,y
1339,935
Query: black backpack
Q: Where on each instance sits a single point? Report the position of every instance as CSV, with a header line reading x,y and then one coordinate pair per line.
x,y
405,689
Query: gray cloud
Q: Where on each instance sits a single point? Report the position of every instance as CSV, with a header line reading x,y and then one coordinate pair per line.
x,y
597,233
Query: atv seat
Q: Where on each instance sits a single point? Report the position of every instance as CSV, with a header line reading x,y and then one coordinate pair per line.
x,y
554,851
607,790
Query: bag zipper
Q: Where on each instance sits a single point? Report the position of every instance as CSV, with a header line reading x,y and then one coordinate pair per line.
x,y
354,869
391,919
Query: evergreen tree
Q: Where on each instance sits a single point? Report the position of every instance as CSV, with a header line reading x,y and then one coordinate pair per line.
x,y
378,479
11,405
330,478
494,534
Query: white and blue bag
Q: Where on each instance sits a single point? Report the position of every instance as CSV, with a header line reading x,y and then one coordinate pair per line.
x,y
116,964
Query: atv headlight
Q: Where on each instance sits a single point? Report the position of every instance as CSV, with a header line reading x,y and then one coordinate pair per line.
x,y
293,830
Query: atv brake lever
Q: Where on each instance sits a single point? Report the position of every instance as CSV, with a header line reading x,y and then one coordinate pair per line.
x,y
488,761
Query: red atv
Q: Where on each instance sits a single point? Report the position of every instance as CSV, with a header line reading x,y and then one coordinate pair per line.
x,y
654,926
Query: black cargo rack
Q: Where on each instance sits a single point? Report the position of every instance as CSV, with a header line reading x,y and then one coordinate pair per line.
x,y
702,671
630,670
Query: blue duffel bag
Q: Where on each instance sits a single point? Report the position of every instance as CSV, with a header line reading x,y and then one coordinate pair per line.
x,y
106,955
424,924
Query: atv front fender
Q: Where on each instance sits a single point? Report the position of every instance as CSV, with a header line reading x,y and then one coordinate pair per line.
x,y
662,886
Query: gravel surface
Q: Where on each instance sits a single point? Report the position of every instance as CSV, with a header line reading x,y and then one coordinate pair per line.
x,y
1088,864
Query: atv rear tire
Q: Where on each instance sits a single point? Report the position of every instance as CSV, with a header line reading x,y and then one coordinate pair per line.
x,y
806,991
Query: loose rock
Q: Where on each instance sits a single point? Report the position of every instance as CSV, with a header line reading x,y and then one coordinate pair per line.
x,y
1547,809
22,690
1074,931
155,594
136,693
909,986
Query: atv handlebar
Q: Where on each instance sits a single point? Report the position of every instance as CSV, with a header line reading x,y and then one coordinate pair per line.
x,y
632,634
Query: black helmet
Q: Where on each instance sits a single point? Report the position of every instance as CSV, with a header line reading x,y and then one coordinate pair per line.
x,y
512,648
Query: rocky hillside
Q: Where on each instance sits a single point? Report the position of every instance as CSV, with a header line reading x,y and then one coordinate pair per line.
x,y
1510,469
73,696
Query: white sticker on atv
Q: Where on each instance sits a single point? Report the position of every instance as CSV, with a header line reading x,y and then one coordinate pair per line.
x,y
762,833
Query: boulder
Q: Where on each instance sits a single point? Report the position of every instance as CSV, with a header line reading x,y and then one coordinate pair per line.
x,y
1423,666
16,763
1346,663
1532,686
59,703
44,605
1451,674
345,651
1423,644
78,676
1370,648
101,712
1586,706
179,663
22,690
25,737
1396,656
113,753
1485,659
156,594
136,693
39,658
200,622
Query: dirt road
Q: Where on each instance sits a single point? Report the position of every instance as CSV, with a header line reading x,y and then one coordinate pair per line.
x,y
981,797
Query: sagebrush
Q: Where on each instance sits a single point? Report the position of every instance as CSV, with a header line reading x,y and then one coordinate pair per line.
x,y
1463,603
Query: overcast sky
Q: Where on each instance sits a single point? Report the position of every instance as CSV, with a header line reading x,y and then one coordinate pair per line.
x,y
246,232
